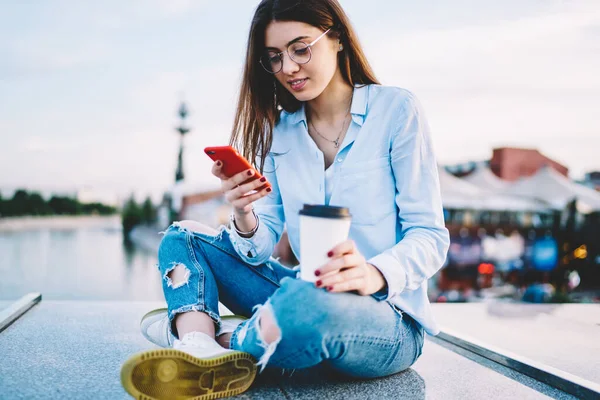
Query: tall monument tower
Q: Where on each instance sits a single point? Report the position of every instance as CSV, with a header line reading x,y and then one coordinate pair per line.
x,y
183,130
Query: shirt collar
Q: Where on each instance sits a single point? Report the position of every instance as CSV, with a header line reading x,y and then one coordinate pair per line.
x,y
358,109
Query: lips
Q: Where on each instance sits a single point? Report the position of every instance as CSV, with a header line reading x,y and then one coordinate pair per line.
x,y
297,83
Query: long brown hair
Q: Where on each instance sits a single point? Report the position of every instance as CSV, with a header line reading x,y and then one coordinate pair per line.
x,y
262,96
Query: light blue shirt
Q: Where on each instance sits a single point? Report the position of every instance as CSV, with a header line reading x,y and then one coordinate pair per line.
x,y
385,172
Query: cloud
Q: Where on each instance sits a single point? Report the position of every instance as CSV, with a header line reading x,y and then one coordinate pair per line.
x,y
142,12
38,144
45,54
108,118
528,51
531,82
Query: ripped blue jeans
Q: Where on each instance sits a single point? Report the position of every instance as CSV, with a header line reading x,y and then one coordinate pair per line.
x,y
354,335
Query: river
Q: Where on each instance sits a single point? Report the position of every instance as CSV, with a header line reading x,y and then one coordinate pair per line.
x,y
76,261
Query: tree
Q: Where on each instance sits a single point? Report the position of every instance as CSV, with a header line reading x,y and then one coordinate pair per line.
x,y
65,206
24,203
38,206
131,216
97,209
2,206
148,211
20,203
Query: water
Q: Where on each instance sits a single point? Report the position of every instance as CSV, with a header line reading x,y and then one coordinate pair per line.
x,y
85,263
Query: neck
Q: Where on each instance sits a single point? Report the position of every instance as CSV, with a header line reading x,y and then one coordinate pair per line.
x,y
333,102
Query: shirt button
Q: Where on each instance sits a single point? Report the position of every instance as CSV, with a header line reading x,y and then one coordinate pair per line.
x,y
340,159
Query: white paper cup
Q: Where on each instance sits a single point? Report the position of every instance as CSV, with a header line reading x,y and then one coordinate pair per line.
x,y
321,229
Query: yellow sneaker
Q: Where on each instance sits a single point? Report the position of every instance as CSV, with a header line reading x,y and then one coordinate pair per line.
x,y
197,368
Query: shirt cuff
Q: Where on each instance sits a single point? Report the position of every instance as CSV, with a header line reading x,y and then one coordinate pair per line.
x,y
393,274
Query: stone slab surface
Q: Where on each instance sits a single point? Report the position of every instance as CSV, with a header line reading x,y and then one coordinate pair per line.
x,y
563,336
74,350
5,303
440,373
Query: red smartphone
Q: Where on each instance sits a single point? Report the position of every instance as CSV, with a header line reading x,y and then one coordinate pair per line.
x,y
233,163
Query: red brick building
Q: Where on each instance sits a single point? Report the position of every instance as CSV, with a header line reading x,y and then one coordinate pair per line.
x,y
511,163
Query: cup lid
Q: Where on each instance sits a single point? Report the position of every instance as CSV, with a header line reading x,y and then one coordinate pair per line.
x,y
320,211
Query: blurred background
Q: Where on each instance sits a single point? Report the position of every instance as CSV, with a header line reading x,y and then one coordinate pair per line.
x,y
105,109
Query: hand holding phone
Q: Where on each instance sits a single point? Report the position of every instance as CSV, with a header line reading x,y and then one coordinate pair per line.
x,y
241,183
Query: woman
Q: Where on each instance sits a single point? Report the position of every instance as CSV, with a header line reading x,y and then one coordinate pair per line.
x,y
322,130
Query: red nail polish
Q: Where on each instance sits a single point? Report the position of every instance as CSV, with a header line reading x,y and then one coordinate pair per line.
x,y
317,273
249,172
263,179
218,163
268,189
329,288
330,254
319,283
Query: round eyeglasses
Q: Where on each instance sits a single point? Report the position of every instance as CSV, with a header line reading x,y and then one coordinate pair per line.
x,y
298,51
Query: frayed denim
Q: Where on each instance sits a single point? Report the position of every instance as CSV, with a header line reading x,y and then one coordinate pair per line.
x,y
355,335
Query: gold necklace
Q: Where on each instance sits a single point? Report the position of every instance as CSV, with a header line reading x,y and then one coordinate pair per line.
x,y
336,142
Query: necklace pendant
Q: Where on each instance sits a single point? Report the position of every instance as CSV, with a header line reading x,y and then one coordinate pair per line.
x,y
336,143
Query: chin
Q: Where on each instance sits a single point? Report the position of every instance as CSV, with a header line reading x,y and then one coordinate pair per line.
x,y
305,95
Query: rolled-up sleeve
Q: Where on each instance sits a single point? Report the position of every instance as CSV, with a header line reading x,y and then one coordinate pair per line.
x,y
269,210
424,239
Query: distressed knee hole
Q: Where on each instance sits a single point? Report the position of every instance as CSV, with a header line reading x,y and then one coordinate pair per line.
x,y
194,226
267,331
270,332
177,276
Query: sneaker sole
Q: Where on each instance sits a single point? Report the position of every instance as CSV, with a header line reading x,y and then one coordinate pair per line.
x,y
169,374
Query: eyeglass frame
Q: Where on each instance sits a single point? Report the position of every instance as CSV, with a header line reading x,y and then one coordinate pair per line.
x,y
280,54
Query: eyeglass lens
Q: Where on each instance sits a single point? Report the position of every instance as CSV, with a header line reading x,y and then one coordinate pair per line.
x,y
299,52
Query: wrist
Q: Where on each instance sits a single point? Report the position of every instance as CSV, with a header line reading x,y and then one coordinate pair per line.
x,y
377,279
241,213
243,233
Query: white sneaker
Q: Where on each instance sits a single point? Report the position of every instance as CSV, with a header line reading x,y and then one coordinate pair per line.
x,y
197,367
200,345
155,327
229,323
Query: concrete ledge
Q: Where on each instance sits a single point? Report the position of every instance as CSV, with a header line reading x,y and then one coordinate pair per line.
x,y
17,309
554,377
74,350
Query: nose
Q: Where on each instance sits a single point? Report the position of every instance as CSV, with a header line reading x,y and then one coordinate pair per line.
x,y
289,66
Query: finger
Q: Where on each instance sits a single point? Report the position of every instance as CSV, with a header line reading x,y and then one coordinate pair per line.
x,y
247,187
239,178
345,247
342,276
238,193
346,286
344,261
217,170
251,198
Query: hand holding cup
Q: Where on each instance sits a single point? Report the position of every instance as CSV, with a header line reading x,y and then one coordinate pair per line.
x,y
348,270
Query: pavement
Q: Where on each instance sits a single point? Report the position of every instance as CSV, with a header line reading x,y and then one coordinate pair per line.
x,y
74,350
563,336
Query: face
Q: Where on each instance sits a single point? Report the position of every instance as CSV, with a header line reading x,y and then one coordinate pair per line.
x,y
304,81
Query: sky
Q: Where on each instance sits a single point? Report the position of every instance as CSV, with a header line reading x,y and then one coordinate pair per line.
x,y
89,91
